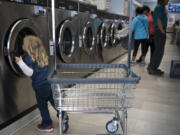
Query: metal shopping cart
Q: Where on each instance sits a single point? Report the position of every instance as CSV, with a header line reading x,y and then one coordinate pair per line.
x,y
109,88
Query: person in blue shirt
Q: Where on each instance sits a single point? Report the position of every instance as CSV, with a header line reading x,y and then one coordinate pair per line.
x,y
160,25
35,65
141,34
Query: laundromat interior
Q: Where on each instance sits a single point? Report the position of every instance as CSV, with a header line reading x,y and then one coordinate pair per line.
x,y
97,86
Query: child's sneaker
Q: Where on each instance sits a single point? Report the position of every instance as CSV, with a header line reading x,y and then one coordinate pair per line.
x,y
143,63
132,62
47,129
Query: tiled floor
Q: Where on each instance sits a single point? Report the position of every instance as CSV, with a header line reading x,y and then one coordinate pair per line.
x,y
156,107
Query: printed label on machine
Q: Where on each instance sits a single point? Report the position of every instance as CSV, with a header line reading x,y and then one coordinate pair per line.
x,y
80,41
51,49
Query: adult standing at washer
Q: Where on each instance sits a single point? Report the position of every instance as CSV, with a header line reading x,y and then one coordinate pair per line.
x,y
160,25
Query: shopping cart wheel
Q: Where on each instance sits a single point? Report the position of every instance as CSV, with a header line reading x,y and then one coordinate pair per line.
x,y
112,126
65,127
65,117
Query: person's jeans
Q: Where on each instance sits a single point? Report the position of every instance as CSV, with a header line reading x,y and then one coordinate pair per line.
x,y
159,40
43,95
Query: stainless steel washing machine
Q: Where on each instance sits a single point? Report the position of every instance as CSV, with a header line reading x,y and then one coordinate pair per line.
x,y
17,21
118,26
125,25
103,30
119,22
87,35
110,50
66,16
96,22
111,29
67,34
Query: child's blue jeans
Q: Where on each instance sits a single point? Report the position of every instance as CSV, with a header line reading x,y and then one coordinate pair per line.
x,y
43,95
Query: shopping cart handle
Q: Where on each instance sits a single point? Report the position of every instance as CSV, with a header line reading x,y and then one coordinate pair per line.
x,y
94,80
129,78
91,66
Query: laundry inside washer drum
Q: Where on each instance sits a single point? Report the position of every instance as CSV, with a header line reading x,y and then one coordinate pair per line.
x,y
89,38
67,42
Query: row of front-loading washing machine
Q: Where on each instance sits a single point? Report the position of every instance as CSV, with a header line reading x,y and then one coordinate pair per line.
x,y
87,33
83,35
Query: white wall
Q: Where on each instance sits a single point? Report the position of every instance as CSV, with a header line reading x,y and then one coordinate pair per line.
x,y
175,15
116,6
151,5
121,6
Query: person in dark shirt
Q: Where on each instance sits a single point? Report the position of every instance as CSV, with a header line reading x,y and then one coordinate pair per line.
x,y
160,25
35,65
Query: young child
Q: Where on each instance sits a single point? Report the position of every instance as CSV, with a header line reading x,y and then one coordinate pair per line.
x,y
35,65
141,33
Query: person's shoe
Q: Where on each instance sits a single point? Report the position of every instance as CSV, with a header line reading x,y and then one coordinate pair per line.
x,y
160,71
154,72
47,129
143,63
132,62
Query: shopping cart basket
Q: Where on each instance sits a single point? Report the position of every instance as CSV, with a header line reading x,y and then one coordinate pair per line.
x,y
108,88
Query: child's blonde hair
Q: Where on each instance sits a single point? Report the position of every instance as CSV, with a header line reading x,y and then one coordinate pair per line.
x,y
34,47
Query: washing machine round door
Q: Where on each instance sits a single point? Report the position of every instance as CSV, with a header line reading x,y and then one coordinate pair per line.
x,y
104,35
66,42
112,38
15,37
119,26
89,38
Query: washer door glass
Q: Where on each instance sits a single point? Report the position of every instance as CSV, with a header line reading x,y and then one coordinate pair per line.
x,y
112,30
15,37
104,35
89,38
66,42
119,26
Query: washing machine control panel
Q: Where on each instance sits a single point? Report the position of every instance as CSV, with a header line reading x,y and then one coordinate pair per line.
x,y
73,13
39,10
93,16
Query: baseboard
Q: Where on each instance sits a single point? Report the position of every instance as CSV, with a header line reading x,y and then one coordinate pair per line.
x,y
20,123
